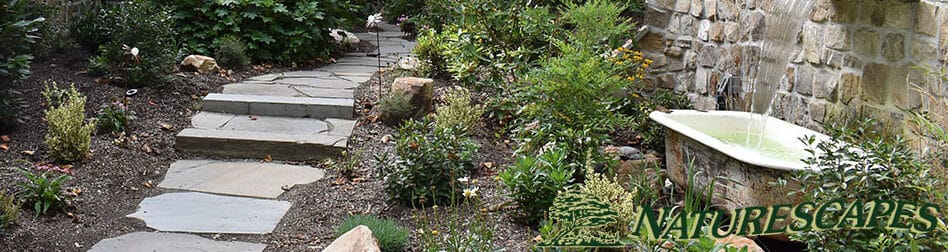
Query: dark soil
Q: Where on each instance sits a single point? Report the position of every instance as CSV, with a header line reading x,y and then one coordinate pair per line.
x,y
117,176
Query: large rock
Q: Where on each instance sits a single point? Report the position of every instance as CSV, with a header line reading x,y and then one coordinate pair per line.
x,y
359,239
343,37
199,63
421,91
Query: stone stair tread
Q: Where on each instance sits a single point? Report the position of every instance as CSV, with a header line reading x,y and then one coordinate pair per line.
x,y
253,179
258,145
272,124
286,90
194,212
279,105
170,242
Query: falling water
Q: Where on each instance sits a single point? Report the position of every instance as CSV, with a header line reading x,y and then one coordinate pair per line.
x,y
781,32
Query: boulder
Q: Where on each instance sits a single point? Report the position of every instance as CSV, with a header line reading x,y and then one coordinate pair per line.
x,y
341,36
644,169
630,153
359,239
421,91
199,63
408,63
739,242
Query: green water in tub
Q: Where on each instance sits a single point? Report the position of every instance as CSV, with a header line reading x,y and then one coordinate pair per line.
x,y
766,147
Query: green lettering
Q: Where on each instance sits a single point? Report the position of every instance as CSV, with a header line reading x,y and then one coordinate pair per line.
x,y
820,216
854,215
775,216
926,217
876,212
902,209
679,224
754,222
716,223
652,224
699,223
802,219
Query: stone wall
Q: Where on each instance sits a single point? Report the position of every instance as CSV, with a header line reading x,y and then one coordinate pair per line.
x,y
854,58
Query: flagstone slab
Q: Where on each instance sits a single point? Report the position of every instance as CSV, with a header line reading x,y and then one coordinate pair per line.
x,y
253,179
170,242
272,124
326,82
194,212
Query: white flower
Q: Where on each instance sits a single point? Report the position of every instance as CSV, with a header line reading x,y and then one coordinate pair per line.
x,y
463,180
134,51
471,192
373,20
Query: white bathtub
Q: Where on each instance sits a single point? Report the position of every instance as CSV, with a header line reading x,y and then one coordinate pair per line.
x,y
691,137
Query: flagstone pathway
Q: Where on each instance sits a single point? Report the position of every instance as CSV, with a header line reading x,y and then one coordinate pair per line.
x,y
288,116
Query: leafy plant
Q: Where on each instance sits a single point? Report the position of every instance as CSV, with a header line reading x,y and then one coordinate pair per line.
x,y
348,163
18,32
43,191
859,164
272,30
114,117
638,106
232,53
69,135
458,112
396,107
611,192
390,235
134,42
428,161
465,228
533,182
9,209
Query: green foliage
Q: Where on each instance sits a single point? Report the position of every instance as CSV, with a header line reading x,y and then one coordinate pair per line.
x,y
639,106
465,228
114,117
390,235
428,48
43,191
428,161
458,112
9,209
619,199
272,30
69,135
533,182
396,107
18,32
232,53
113,32
857,164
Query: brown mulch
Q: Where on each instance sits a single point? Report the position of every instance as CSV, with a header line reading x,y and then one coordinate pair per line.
x,y
116,177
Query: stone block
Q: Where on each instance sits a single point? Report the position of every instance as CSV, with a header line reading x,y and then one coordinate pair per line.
x,y
753,27
673,51
893,47
205,213
690,59
836,37
839,114
923,49
750,56
279,106
663,4
170,242
253,179
873,83
708,55
710,8
817,110
804,80
704,29
359,239
696,8
666,81
898,14
869,42
732,31
943,32
822,10
684,81
813,43
833,58
674,64
728,10
656,18
421,91
702,80
727,63
716,33
824,86
850,60
927,21
683,6
652,42
790,79
848,87
845,11
658,60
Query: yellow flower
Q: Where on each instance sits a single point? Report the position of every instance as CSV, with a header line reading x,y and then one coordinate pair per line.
x,y
434,232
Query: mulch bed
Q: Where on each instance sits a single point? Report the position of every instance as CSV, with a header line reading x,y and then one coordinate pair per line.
x,y
115,178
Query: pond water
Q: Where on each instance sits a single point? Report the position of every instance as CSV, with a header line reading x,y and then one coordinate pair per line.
x,y
760,145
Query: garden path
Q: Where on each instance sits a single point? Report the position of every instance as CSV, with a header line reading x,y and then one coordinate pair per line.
x,y
288,116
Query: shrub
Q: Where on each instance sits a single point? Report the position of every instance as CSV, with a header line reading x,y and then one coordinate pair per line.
x,y
69,134
390,235
18,30
232,53
533,182
396,107
115,32
428,161
428,48
610,191
43,191
459,228
458,112
853,166
274,30
114,117
638,106
9,209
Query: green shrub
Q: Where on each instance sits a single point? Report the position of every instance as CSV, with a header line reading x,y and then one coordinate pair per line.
x,y
638,106
272,30
390,235
18,31
428,49
232,53
116,31
428,161
9,209
458,112
69,135
43,191
114,117
878,168
396,107
533,182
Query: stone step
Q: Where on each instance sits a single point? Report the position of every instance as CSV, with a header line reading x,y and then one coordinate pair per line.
x,y
194,212
170,242
286,90
279,106
282,138
253,179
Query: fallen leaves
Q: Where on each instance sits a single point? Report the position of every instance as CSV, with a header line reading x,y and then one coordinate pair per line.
x,y
148,183
252,118
4,147
27,152
267,159
5,138
165,126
